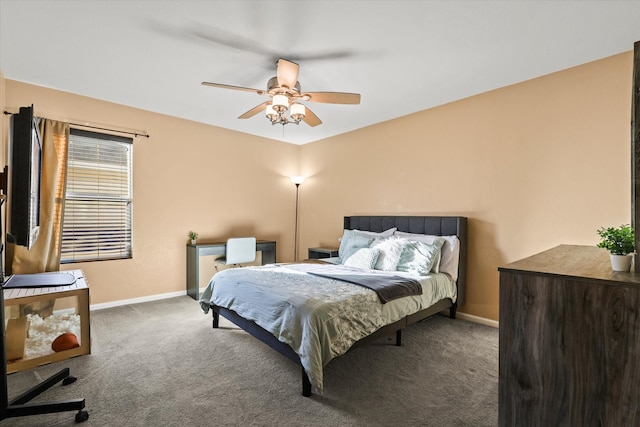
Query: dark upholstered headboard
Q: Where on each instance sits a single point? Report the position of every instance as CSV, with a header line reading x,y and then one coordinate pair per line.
x,y
433,225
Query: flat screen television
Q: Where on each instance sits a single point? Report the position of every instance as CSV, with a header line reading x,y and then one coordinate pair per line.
x,y
25,163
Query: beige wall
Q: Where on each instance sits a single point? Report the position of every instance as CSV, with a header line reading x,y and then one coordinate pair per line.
x,y
532,165
186,176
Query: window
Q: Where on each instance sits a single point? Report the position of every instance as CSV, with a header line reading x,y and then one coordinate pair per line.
x,y
98,203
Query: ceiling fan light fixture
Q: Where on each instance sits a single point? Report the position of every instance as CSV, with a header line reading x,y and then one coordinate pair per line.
x,y
285,92
271,113
280,103
297,112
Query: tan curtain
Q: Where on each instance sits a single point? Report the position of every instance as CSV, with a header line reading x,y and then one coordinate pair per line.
x,y
44,254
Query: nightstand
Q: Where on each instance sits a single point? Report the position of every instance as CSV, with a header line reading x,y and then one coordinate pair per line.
x,y
317,253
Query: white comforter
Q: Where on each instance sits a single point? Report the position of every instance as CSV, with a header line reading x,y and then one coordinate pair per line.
x,y
318,318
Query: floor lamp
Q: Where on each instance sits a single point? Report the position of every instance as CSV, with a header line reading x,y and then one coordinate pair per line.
x,y
297,180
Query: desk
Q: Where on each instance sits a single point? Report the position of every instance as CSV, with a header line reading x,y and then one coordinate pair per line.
x,y
194,252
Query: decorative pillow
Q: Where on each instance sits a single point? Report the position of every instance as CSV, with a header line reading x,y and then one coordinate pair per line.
x,y
363,258
449,254
419,257
345,245
390,251
351,245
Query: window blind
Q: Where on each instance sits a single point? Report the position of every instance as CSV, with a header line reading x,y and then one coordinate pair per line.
x,y
97,218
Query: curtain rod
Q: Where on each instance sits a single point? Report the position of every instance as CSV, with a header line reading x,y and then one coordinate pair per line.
x,y
134,133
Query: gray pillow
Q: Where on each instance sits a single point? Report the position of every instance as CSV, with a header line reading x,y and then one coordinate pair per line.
x,y
449,254
420,257
352,244
345,245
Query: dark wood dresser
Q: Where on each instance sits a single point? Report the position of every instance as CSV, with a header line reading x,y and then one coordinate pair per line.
x,y
569,341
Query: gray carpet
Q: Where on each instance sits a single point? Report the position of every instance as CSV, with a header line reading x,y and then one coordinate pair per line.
x,y
161,364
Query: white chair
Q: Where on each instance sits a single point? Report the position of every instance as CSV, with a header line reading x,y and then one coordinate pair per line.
x,y
239,250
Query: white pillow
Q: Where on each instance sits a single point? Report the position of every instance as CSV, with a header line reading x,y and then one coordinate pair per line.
x,y
419,257
363,258
449,254
346,248
390,251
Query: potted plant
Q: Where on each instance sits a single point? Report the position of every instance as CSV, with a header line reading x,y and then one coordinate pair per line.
x,y
193,236
620,242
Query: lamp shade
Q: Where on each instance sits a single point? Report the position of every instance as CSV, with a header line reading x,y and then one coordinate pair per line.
x,y
280,103
297,112
297,180
270,113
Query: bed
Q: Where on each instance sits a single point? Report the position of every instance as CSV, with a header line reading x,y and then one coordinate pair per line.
x,y
324,317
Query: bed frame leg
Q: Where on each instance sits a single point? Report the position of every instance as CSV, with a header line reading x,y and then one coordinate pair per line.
x,y
399,338
216,319
452,311
306,384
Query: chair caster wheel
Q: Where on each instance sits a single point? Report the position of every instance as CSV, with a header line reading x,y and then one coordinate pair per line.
x,y
69,380
82,416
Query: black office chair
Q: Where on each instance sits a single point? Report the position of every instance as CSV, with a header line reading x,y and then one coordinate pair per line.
x,y
239,250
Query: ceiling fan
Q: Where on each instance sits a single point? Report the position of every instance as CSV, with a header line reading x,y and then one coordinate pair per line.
x,y
285,93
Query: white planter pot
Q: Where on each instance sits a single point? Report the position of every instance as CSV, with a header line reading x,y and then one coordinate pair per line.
x,y
621,262
193,241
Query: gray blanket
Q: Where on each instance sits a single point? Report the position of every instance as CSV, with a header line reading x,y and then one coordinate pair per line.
x,y
387,285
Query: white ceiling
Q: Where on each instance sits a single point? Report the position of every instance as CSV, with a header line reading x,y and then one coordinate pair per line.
x,y
401,56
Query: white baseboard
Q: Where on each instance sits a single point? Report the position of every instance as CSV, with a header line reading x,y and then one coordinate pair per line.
x,y
118,303
472,318
481,320
94,307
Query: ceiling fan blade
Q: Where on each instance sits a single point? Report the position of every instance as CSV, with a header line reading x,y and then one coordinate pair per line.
x,y
228,39
332,97
255,110
287,73
310,118
246,89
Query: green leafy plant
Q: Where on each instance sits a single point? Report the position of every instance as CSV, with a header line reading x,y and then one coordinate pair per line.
x,y
193,235
617,240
